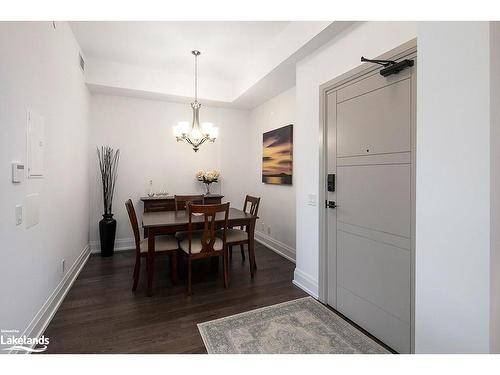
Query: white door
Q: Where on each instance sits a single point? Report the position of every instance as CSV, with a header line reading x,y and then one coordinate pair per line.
x,y
370,150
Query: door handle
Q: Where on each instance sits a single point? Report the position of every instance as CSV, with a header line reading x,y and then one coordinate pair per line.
x,y
330,204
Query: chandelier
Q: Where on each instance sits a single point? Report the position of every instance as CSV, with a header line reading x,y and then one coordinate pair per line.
x,y
197,135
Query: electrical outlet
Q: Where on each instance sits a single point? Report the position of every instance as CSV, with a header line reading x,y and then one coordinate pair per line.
x,y
63,266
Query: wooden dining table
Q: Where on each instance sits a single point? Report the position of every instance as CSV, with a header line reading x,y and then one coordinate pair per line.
x,y
170,222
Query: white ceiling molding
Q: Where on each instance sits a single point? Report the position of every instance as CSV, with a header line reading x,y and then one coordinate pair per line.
x,y
243,79
158,82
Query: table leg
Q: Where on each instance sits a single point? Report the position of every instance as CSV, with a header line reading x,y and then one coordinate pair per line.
x,y
251,246
151,256
225,266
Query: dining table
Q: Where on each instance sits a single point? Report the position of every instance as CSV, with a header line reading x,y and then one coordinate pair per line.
x,y
169,222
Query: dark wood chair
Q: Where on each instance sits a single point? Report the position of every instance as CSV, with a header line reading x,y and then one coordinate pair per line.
x,y
163,244
206,243
240,236
181,202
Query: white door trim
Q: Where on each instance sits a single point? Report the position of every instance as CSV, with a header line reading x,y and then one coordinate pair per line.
x,y
399,52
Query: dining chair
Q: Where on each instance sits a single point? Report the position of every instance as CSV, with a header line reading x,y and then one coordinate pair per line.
x,y
205,243
240,236
181,202
163,244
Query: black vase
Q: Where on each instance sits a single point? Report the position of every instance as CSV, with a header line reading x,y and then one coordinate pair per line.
x,y
107,232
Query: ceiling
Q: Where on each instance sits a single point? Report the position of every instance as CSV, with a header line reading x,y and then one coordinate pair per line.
x,y
242,64
225,46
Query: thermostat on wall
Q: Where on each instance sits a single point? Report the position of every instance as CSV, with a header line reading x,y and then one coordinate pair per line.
x,y
17,172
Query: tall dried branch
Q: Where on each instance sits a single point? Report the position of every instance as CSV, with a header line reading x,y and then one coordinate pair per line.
x,y
108,166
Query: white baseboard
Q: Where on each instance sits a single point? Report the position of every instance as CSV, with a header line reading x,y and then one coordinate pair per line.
x,y
39,323
278,247
121,244
305,282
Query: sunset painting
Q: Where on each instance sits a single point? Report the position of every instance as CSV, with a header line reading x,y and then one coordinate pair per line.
x,y
277,155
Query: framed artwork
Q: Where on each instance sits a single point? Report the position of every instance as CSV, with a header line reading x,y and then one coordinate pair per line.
x,y
277,156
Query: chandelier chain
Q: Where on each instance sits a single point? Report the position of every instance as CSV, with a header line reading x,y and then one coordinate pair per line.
x,y
196,78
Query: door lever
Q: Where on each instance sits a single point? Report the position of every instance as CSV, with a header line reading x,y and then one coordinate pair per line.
x,y
330,204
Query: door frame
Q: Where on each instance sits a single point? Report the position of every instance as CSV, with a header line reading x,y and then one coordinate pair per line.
x,y
404,50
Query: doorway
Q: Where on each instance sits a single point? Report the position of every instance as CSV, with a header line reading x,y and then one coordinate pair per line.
x,y
367,226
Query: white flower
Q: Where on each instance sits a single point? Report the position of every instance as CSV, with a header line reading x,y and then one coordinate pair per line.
x,y
199,175
208,176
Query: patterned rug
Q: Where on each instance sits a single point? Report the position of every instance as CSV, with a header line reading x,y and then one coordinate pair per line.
x,y
300,326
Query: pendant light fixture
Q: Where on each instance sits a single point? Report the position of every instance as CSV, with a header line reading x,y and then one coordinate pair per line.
x,y
197,135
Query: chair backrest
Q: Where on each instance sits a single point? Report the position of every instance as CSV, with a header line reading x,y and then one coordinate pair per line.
x,y
252,204
133,222
210,225
182,201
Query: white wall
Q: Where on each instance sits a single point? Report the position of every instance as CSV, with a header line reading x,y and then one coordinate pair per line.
x,y
453,188
342,54
142,130
495,187
277,207
295,36
39,70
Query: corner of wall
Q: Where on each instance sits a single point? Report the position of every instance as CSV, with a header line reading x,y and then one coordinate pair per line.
x,y
305,282
495,187
278,247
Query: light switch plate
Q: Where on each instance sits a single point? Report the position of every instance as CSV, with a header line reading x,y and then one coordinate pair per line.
x,y
19,214
32,210
312,199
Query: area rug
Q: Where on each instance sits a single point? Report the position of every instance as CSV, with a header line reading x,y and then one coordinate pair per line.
x,y
300,326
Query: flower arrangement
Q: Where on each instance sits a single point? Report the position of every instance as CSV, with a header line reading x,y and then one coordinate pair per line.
x,y
208,177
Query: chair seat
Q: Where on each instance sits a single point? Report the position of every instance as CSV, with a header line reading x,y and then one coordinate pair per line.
x,y
234,235
184,234
162,243
196,244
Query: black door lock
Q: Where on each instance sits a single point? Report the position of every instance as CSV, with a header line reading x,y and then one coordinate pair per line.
x,y
331,182
330,204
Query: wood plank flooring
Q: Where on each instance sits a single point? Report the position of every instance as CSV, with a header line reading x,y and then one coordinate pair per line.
x,y
101,314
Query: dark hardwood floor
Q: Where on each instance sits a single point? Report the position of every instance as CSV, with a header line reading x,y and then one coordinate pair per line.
x,y
101,314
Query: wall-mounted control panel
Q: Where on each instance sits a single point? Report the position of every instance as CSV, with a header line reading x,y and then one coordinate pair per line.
x,y
17,172
331,182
